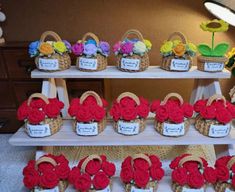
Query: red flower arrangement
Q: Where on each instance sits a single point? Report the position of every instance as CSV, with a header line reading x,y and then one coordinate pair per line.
x,y
141,171
47,172
93,172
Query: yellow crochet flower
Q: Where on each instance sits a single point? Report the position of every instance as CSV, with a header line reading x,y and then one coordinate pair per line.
x,y
59,46
214,26
166,47
46,49
148,44
192,47
179,50
176,42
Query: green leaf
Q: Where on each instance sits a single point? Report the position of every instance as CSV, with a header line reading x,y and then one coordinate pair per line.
x,y
204,49
220,50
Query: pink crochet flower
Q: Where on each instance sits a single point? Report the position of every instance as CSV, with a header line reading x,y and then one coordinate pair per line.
x,y
77,49
117,46
127,48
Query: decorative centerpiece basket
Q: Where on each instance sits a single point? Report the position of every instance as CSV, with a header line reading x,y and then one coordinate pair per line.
x,y
91,54
214,116
51,56
132,54
48,173
89,113
129,113
93,173
141,173
41,115
172,116
177,53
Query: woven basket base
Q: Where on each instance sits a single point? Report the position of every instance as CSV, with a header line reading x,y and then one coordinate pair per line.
x,y
149,185
202,60
221,187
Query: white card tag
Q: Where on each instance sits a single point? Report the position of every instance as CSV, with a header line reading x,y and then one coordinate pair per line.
x,y
131,64
228,190
107,189
180,64
213,66
38,130
127,128
173,129
87,129
219,130
133,189
48,64
192,190
87,63
56,189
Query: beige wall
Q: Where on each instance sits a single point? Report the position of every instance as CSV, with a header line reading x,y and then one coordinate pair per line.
x,y
27,19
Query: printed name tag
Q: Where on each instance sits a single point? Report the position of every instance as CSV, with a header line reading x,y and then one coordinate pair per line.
x,y
214,66
192,190
179,65
86,63
107,189
48,64
87,129
133,189
38,130
56,189
228,190
173,129
132,64
219,130
128,128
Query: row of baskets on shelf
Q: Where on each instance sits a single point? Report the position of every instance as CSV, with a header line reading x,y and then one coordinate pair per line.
x,y
139,173
173,116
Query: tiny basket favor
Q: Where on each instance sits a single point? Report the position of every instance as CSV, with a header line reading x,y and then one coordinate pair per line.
x,y
177,53
214,116
132,54
191,173
89,114
93,173
141,173
48,173
172,116
129,113
41,115
51,56
91,54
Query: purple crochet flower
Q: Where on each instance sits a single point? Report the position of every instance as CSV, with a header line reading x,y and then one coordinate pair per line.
x,y
90,49
77,49
117,46
67,44
105,47
127,48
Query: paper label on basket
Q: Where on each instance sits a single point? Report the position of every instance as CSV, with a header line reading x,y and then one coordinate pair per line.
x,y
219,130
127,128
192,190
56,189
180,64
87,129
133,189
210,66
228,190
107,189
87,63
173,129
48,64
131,64
38,130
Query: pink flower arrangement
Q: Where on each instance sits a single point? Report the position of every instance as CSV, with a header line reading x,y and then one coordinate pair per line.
x,y
127,48
78,49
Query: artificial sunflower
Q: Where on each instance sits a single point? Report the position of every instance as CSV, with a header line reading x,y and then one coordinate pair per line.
x,y
214,26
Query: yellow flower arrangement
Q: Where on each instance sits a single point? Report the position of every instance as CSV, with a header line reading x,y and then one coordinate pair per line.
x,y
148,44
176,42
46,49
166,47
179,50
192,47
214,26
59,46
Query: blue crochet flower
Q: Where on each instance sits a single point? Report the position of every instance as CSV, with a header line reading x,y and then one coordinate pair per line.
x,y
33,48
91,41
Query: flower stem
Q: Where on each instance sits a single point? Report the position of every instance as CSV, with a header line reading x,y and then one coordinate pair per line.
x,y
213,39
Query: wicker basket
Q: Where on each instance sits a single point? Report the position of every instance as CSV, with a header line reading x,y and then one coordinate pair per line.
x,y
167,62
144,60
160,126
99,59
205,126
140,122
54,123
64,61
100,125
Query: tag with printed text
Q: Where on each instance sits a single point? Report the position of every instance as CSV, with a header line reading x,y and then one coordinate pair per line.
x,y
107,189
88,63
48,64
56,189
133,189
173,129
180,65
131,64
87,129
213,66
192,190
38,130
127,128
219,130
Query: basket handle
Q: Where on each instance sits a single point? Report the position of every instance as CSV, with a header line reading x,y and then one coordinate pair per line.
x,y
92,35
168,96
178,34
215,97
231,162
93,94
51,34
38,95
190,158
45,160
141,156
88,159
129,94
135,32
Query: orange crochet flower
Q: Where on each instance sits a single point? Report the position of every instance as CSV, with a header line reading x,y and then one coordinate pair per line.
x,y
179,50
46,49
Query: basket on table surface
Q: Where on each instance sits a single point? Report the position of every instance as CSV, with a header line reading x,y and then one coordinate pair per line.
x,y
172,116
41,115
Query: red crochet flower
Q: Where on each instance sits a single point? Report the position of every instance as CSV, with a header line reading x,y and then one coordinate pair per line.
x,y
49,179
222,173
127,102
37,103
141,178
23,111
73,175
223,116
108,168
156,173
36,116
129,113
161,114
154,106
62,171
127,174
98,112
73,110
195,180
188,110
100,181
179,176
143,110
90,101
93,167
84,114
208,112
51,110
31,179
141,164
127,162
115,111
176,115
222,161
83,182
56,102
143,101
200,104
155,160
210,175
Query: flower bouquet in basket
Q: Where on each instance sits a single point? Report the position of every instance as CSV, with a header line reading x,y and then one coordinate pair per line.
x,y
89,114
214,116
177,53
41,115
93,173
212,58
91,54
132,54
172,116
191,173
141,173
49,173
129,113
51,55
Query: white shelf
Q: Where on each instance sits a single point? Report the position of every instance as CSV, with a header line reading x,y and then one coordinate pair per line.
x,y
153,72
67,137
